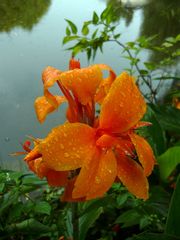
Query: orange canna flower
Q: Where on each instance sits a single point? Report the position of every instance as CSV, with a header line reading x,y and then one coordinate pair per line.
x,y
91,151
81,88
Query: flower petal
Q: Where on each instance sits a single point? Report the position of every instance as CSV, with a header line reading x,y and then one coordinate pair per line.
x,y
123,106
132,176
73,64
67,196
105,176
87,173
49,76
96,176
105,84
68,146
144,152
82,82
57,178
43,107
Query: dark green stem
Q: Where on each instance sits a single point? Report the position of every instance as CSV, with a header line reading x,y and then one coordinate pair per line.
x,y
75,220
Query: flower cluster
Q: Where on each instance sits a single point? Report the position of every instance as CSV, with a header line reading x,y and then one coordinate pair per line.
x,y
93,149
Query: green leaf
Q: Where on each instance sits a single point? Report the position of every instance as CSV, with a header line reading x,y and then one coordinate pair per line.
x,y
97,203
167,78
85,29
144,222
150,66
105,13
72,26
42,207
117,36
169,117
89,51
178,37
172,225
152,236
68,32
143,72
16,211
95,18
2,185
29,226
129,218
167,44
154,133
168,161
122,198
69,38
8,199
87,220
94,34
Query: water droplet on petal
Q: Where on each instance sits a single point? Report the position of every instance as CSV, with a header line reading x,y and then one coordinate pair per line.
x,y
61,146
66,155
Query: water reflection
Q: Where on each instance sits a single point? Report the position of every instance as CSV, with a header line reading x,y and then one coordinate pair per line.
x,y
21,13
160,17
122,12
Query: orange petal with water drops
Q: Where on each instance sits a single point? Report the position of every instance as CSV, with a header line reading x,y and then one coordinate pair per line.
x,y
96,176
38,167
105,176
68,146
105,85
132,176
82,82
144,152
67,196
57,178
49,76
123,106
43,107
87,173
123,145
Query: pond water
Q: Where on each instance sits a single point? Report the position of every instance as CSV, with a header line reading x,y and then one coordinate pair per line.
x,y
31,34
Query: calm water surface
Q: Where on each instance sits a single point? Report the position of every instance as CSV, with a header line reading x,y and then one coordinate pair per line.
x,y
31,34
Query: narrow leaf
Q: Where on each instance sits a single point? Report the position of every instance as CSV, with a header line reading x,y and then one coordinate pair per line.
x,y
168,161
172,225
87,220
72,26
95,18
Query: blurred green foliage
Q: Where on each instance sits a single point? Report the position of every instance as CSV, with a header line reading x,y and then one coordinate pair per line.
x,y
21,13
30,209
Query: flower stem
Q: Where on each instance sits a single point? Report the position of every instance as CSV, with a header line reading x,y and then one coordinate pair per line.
x,y
75,220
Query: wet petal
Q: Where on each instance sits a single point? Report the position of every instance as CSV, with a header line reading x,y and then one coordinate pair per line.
x,y
82,82
38,167
87,173
57,178
96,176
105,176
123,145
132,176
73,63
68,146
67,196
43,107
144,152
105,85
49,76
33,154
123,106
